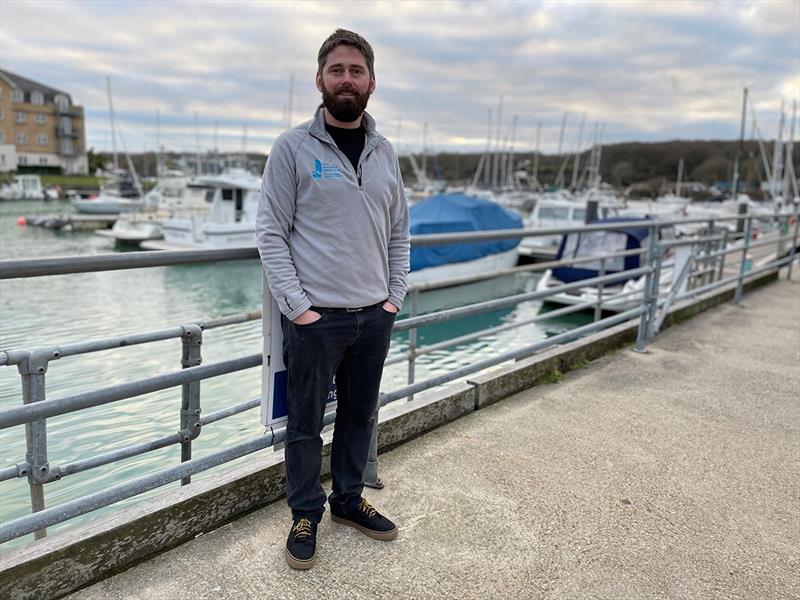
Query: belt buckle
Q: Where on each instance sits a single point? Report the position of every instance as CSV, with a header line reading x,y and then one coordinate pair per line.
x,y
353,310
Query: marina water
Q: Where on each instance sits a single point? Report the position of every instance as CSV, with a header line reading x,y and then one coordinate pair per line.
x,y
56,310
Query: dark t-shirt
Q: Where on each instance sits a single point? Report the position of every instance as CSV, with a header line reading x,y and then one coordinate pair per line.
x,y
349,141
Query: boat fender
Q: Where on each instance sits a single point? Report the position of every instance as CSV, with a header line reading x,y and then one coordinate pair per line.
x,y
22,221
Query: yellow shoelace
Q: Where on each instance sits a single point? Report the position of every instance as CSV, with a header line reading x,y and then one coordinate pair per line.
x,y
303,528
367,508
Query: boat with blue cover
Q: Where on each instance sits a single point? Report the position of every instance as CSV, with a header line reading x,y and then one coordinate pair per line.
x,y
457,213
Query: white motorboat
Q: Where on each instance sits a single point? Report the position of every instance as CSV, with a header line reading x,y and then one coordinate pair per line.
x,y
173,196
230,223
561,209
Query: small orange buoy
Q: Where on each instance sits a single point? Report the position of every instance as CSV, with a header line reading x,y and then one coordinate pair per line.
x,y
22,221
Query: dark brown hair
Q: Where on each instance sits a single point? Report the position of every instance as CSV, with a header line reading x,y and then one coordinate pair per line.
x,y
347,38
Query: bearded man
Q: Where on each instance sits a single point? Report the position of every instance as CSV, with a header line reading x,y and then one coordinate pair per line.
x,y
332,232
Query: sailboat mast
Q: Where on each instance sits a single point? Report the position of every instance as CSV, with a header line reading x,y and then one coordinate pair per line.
x,y
576,164
113,128
735,181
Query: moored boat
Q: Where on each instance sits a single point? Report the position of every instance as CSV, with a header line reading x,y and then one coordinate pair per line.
x,y
455,213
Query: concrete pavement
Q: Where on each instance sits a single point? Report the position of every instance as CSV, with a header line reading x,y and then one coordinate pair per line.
x,y
671,474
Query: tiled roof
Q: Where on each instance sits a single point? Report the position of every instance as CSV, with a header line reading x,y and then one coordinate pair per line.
x,y
28,85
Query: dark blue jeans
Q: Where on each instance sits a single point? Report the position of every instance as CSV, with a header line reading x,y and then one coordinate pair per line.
x,y
353,346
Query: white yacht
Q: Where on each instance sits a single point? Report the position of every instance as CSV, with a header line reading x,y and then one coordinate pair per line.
x,y
230,222
174,196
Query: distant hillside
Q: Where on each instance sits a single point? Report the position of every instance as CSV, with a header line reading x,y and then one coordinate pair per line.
x,y
655,165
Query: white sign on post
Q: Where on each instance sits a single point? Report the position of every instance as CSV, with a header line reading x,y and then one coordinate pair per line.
x,y
273,370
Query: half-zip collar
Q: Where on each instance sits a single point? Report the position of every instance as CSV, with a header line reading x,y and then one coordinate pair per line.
x,y
373,139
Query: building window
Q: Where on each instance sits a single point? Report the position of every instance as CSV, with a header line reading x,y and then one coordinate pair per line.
x,y
65,125
43,160
66,146
41,119
62,102
1,114
2,137
18,96
37,98
22,160
41,139
20,117
22,138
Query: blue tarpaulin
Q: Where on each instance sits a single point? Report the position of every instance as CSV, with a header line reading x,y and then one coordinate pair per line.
x,y
450,213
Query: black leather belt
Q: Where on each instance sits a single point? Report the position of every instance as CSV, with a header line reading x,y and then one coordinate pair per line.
x,y
345,310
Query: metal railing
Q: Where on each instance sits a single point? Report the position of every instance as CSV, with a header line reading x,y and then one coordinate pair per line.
x,y
649,300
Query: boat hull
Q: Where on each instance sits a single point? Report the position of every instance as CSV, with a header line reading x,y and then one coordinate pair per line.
x,y
480,266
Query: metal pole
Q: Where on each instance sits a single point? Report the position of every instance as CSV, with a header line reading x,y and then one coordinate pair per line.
x,y
641,337
737,298
412,341
33,372
371,478
783,229
598,310
656,288
723,245
191,342
707,262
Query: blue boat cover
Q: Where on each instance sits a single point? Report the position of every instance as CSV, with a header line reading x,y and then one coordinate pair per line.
x,y
580,245
449,213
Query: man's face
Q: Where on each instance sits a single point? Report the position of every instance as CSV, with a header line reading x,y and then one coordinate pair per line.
x,y
345,83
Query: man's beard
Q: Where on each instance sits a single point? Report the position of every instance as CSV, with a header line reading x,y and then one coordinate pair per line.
x,y
347,109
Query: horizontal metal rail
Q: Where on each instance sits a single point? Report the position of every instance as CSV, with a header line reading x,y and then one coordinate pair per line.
x,y
120,454
230,411
452,313
51,408
533,267
512,355
39,267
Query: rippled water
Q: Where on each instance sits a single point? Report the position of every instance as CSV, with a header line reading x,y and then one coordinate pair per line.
x,y
58,310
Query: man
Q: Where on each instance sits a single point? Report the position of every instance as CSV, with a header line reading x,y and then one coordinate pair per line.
x,y
332,231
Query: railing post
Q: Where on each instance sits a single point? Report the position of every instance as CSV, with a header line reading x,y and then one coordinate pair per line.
x,y
737,298
644,325
708,264
783,229
412,340
32,371
370,476
721,247
655,289
598,310
793,250
191,342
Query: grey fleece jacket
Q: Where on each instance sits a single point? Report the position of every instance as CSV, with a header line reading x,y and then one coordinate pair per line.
x,y
329,235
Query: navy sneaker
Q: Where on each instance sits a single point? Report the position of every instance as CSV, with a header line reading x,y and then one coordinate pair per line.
x,y
367,520
301,546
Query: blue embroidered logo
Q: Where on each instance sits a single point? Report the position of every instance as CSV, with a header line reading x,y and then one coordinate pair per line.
x,y
325,171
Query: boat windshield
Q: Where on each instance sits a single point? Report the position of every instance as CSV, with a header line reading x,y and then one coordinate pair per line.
x,y
597,243
554,212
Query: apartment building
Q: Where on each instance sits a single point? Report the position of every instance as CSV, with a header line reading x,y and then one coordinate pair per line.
x,y
39,127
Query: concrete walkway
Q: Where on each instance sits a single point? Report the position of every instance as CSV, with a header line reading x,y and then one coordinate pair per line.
x,y
671,474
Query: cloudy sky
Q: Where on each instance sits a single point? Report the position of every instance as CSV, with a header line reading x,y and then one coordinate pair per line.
x,y
647,70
